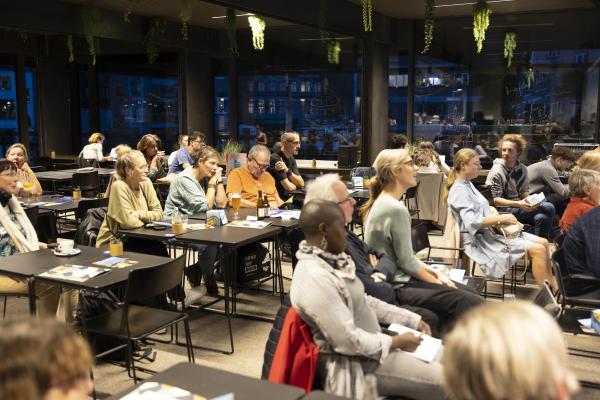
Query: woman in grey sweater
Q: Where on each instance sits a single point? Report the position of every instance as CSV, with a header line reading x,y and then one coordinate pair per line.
x,y
344,320
388,230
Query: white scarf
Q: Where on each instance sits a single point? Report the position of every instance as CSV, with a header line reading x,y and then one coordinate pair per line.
x,y
26,243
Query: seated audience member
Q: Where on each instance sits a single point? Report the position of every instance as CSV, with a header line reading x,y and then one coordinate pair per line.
x,y
428,160
132,201
374,269
509,350
388,230
543,177
186,156
582,253
397,141
584,185
344,320
589,160
151,147
28,182
187,196
43,359
475,217
283,166
119,151
248,179
93,150
182,141
510,186
261,138
17,236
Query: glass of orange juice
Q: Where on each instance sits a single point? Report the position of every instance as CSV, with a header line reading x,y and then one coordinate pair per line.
x,y
236,200
115,247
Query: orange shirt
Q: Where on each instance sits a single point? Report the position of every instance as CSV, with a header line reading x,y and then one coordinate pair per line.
x,y
576,208
240,180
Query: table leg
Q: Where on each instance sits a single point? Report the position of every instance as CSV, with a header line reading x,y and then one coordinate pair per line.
x,y
32,304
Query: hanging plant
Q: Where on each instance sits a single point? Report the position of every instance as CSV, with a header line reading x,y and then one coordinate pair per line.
x,y
510,44
530,77
70,48
89,17
429,8
231,24
367,15
334,48
185,14
131,5
258,26
481,21
156,29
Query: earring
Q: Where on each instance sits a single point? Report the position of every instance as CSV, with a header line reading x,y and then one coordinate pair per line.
x,y
323,244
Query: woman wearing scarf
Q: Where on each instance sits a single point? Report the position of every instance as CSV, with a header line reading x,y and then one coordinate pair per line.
x,y
18,236
344,320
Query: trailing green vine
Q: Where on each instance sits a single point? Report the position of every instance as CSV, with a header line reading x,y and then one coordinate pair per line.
x,y
510,44
481,21
156,29
185,14
231,24
257,25
429,24
131,5
89,17
334,48
367,15
530,77
70,48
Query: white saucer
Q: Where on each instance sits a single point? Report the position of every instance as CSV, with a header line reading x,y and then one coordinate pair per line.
x,y
72,253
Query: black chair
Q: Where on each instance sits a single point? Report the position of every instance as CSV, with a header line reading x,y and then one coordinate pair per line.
x,y
133,322
33,213
420,241
86,204
363,172
87,162
87,182
588,301
411,194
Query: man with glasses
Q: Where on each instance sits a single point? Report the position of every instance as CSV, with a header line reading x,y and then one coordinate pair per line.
x,y
283,165
543,177
247,180
186,156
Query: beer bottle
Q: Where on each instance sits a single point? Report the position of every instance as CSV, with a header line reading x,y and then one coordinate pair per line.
x,y
260,213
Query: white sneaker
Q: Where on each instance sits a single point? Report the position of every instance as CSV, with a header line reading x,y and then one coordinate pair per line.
x,y
194,295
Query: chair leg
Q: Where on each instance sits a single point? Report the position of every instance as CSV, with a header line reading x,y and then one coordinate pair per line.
x,y
130,355
188,340
4,311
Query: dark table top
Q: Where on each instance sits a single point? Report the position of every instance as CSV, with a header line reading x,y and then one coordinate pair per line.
x,y
244,212
32,264
211,382
66,203
229,235
67,174
150,234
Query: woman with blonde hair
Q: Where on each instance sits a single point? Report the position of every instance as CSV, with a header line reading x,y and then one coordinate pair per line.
x,y
151,147
589,160
93,150
43,359
509,350
28,182
492,251
388,230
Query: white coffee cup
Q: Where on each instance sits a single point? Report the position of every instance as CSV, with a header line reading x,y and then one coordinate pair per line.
x,y
65,246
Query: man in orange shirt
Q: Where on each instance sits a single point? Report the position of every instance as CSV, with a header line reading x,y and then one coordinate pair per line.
x,y
246,180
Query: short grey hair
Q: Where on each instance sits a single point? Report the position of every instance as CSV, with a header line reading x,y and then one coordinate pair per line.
x,y
581,178
256,150
289,136
321,188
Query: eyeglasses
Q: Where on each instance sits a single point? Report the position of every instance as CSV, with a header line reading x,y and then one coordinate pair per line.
x,y
262,167
294,142
347,199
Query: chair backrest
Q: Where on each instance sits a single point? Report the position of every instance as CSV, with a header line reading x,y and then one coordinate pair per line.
x,y
84,205
144,283
559,239
89,179
32,213
88,228
419,237
85,162
363,172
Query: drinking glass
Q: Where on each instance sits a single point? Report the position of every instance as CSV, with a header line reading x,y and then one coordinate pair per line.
x,y
115,247
236,199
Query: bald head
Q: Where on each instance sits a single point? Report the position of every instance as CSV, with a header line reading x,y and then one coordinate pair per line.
x,y
317,212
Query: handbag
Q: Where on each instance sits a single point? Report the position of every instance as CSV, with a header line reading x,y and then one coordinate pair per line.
x,y
509,231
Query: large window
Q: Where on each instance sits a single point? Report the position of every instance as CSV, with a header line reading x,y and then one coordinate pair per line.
x,y
397,93
221,110
9,125
549,94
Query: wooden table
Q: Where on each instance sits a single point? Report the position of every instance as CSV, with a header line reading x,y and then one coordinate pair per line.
x,y
211,383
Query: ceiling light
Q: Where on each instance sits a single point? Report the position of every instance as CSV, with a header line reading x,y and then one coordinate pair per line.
x,y
237,15
470,3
